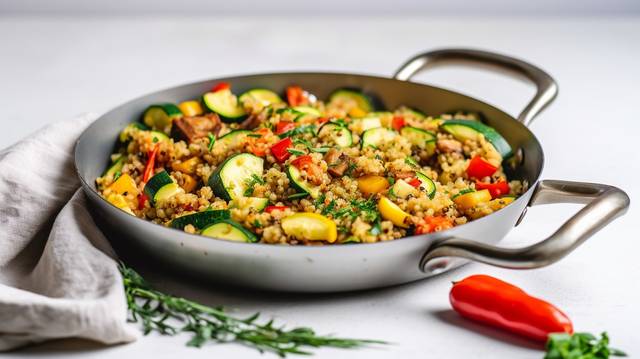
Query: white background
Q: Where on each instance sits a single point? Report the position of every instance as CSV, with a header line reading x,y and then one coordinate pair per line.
x,y
54,67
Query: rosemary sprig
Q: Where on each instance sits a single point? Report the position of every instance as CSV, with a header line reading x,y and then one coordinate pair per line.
x,y
169,315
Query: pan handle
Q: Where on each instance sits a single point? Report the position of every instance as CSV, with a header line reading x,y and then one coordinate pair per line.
x,y
547,89
603,204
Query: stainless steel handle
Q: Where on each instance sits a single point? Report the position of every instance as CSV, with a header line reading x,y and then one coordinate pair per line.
x,y
547,89
604,204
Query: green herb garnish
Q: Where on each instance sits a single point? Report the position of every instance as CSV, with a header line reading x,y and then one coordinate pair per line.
x,y
464,191
411,162
299,131
580,346
116,176
326,210
212,140
298,195
319,149
296,152
169,315
254,135
251,183
257,224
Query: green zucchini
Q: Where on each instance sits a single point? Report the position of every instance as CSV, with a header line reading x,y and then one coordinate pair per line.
x,y
426,185
340,135
161,187
234,137
229,230
231,179
464,130
377,136
253,203
114,168
160,116
158,136
402,189
345,95
301,184
225,104
308,110
420,138
125,135
264,96
200,220
417,114
369,122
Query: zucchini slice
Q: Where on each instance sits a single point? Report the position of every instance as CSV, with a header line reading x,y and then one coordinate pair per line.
x,y
161,187
160,116
308,110
369,122
125,135
402,189
377,136
225,104
344,95
231,179
340,135
257,204
420,138
264,96
200,220
114,168
229,230
426,184
464,130
234,137
301,184
158,136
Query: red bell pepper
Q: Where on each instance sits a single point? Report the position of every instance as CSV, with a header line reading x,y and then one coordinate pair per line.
x,y
279,150
491,301
270,209
296,96
302,161
284,126
221,86
415,182
480,168
142,199
151,163
398,122
433,224
497,189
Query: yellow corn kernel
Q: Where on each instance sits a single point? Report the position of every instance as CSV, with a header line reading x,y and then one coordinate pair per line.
x,y
372,184
472,199
190,108
390,211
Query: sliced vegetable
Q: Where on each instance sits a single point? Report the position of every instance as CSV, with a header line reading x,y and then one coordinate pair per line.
x,y
270,209
151,164
188,183
362,101
187,166
308,110
397,123
390,211
472,199
229,230
403,189
367,123
160,116
124,185
230,179
256,204
263,96
372,184
501,202
161,187
279,150
497,189
299,183
420,138
114,169
191,108
426,185
221,86
479,168
296,96
200,220
225,104
125,135
377,136
234,138
431,224
340,135
119,201
310,227
491,301
464,130
284,126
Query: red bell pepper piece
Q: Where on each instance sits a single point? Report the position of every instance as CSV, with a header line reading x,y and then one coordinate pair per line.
x,y
270,209
415,182
302,161
480,168
497,189
398,122
433,224
142,199
284,126
151,163
221,86
279,150
322,120
296,96
491,301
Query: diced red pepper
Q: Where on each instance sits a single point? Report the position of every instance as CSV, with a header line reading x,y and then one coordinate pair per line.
x,y
257,146
302,161
497,189
270,209
284,126
397,122
279,150
296,96
322,120
415,182
221,86
480,168
142,199
433,224
151,163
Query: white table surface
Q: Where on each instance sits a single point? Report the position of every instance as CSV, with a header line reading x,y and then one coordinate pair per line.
x,y
53,69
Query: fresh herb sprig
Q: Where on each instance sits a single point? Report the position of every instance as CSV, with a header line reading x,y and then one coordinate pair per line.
x,y
169,315
251,183
580,346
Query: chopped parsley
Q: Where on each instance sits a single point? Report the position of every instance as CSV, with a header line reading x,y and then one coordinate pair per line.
x,y
212,140
296,152
411,162
251,182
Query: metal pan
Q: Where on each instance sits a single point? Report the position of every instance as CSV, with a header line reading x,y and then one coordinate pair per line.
x,y
361,266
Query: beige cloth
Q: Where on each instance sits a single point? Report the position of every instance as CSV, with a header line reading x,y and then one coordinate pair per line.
x,y
58,278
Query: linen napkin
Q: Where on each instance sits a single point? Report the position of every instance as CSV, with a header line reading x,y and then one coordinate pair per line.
x,y
58,276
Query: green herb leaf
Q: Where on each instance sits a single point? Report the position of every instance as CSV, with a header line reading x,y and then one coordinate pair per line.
x,y
411,162
212,140
251,183
299,131
254,135
464,191
169,315
296,152
298,195
116,176
579,346
319,149
257,224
